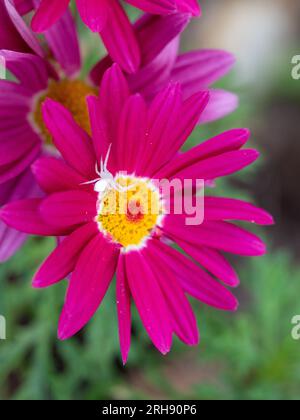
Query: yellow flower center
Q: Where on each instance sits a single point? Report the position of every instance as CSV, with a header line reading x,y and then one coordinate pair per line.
x,y
72,95
129,211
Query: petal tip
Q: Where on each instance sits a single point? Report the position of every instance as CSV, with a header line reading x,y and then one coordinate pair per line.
x,y
124,359
62,333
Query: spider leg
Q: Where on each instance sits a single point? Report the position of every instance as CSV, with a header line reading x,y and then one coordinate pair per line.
x,y
117,186
121,188
107,157
90,182
97,169
128,188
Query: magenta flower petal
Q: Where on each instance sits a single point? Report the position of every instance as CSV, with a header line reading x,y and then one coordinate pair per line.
x,y
94,13
158,37
223,143
5,191
119,38
61,38
195,281
19,143
183,318
196,70
238,240
132,126
48,13
163,115
152,77
99,126
11,150
221,103
152,305
114,92
220,235
29,69
67,52
11,89
69,208
71,140
53,175
159,7
14,169
123,307
23,6
15,103
190,112
11,240
12,124
213,261
63,259
97,72
218,166
88,285
155,33
217,208
24,216
104,16
29,38
189,6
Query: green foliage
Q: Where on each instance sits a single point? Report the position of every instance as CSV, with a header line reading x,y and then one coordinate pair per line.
x,y
247,355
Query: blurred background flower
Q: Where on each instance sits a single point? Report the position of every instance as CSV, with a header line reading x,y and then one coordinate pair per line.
x,y
249,355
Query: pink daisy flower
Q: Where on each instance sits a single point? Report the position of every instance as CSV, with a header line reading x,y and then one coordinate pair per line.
x,y
23,134
109,19
145,141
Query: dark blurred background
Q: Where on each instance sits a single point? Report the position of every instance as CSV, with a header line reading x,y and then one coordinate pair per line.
x,y
247,355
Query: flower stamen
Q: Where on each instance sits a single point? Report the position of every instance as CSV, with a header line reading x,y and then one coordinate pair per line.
x,y
69,93
130,214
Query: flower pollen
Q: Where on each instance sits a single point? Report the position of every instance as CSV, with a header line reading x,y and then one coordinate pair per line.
x,y
72,95
130,211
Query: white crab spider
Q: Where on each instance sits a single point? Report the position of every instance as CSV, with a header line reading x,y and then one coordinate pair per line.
x,y
106,179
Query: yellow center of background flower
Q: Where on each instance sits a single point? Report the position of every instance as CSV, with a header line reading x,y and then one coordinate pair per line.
x,y
72,95
129,211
